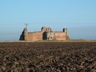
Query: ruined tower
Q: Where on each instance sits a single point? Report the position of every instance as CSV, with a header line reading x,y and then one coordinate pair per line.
x,y
44,29
66,31
24,35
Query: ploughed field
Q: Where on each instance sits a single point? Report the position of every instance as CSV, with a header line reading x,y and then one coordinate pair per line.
x,y
48,57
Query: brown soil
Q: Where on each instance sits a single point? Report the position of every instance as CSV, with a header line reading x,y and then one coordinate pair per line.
x,y
48,57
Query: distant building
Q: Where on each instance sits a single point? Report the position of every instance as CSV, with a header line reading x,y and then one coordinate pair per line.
x,y
44,34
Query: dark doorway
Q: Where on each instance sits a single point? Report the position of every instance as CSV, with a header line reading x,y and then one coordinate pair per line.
x,y
45,36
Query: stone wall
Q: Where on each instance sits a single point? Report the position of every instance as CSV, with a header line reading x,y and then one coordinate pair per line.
x,y
60,36
34,36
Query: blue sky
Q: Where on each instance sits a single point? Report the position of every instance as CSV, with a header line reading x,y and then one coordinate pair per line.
x,y
79,16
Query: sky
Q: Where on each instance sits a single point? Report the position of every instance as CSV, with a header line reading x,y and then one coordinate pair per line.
x,y
79,16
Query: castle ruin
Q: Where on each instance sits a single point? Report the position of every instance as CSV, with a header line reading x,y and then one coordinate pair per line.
x,y
44,34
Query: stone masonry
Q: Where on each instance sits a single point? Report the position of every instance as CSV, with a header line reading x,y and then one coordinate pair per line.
x,y
44,34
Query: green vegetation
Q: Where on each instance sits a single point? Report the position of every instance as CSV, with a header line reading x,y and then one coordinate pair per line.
x,y
17,41
73,40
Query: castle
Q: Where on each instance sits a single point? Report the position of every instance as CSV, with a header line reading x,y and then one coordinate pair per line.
x,y
44,34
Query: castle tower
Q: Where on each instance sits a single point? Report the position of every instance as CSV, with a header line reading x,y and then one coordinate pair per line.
x,y
44,29
48,29
65,30
24,35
